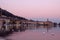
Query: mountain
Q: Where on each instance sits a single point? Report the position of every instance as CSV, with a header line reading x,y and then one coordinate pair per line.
x,y
8,14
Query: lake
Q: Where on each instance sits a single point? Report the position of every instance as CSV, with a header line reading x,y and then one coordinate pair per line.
x,y
35,34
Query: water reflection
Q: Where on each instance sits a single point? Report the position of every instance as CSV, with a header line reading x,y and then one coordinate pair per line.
x,y
40,33
8,39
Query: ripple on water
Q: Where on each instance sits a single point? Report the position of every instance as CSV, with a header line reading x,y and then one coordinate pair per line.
x,y
40,34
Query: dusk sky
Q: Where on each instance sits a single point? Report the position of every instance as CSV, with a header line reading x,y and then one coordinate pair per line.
x,y
33,9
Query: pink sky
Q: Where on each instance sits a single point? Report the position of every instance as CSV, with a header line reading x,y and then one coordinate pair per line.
x,y
32,8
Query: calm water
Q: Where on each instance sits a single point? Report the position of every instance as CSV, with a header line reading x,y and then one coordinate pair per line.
x,y
36,34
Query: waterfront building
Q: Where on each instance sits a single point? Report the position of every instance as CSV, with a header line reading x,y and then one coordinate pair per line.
x,y
9,22
45,23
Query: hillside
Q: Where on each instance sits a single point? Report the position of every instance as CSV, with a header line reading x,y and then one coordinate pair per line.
x,y
8,14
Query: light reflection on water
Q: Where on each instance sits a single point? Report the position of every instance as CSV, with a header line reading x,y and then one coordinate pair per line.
x,y
36,34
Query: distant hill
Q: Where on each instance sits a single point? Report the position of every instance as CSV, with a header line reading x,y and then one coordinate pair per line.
x,y
8,14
